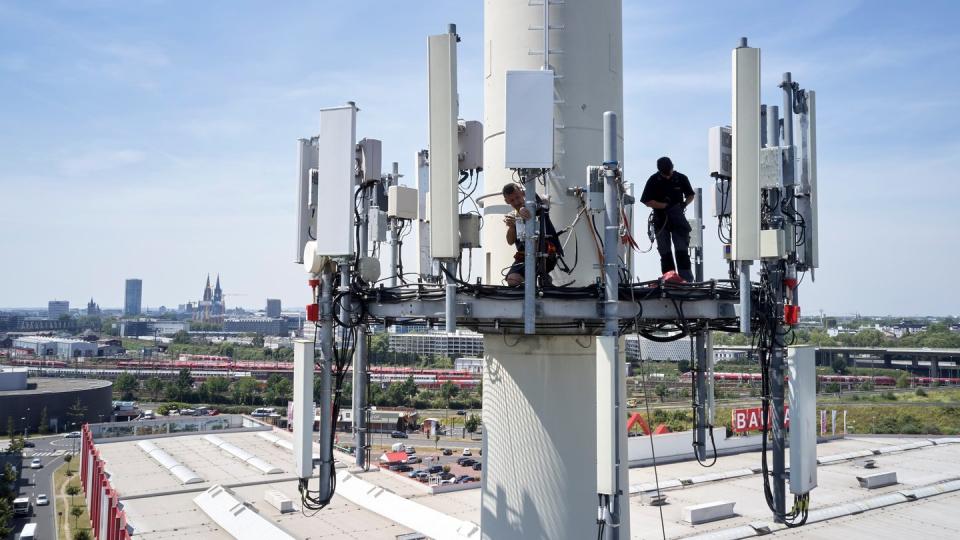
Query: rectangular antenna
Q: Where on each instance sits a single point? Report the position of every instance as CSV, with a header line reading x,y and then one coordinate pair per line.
x,y
335,177
444,162
528,132
306,196
303,408
746,155
808,149
802,397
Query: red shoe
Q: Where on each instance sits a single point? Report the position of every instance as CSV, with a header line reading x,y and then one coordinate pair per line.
x,y
673,277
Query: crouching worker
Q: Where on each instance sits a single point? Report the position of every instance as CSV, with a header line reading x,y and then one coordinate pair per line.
x,y
548,245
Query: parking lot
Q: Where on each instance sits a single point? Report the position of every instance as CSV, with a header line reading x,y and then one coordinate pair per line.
x,y
430,457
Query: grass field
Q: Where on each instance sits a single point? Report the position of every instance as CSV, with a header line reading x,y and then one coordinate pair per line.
x,y
67,524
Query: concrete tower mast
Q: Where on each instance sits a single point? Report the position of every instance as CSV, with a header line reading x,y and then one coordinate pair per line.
x,y
539,397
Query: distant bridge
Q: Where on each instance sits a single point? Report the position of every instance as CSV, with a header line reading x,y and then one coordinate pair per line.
x,y
920,361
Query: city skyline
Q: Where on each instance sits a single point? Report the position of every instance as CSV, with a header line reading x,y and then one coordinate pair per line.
x,y
179,168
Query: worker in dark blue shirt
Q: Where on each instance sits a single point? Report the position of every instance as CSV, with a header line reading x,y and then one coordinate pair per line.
x,y
668,192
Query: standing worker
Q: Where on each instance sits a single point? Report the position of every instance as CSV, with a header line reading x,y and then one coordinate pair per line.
x,y
668,192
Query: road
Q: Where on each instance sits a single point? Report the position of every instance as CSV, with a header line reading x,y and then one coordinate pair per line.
x,y
50,451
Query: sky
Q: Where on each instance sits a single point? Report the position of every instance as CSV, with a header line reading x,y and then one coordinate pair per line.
x,y
157,139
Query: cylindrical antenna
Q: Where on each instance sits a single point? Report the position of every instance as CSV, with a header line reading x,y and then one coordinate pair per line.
x,y
743,43
609,137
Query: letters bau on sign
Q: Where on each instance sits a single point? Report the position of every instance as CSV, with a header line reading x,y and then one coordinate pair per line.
x,y
746,420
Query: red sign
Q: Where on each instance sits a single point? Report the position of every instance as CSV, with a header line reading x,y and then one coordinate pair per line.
x,y
744,420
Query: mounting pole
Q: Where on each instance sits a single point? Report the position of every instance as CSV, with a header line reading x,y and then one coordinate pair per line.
x,y
359,400
610,376
326,399
450,304
700,404
530,254
394,240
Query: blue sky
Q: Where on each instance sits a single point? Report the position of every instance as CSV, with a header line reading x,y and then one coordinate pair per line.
x,y
157,139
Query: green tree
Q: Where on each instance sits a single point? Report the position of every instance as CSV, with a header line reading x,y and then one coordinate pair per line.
x,y
182,337
154,385
76,512
903,380
73,490
77,412
279,389
6,515
67,459
216,387
44,427
124,385
661,391
839,365
184,380
472,423
245,390
82,534
448,390
257,341
11,431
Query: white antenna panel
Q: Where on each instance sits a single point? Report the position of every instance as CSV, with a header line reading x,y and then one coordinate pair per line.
x,y
444,161
745,195
335,179
528,133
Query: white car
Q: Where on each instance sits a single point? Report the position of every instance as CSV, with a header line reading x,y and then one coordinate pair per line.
x,y
36,463
42,500
466,452
72,435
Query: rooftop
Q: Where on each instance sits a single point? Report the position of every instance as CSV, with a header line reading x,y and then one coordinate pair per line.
x,y
56,385
160,504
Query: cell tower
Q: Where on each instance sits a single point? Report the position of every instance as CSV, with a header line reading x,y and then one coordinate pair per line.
x,y
553,339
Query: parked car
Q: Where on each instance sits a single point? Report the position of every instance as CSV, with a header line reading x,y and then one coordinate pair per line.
x,y
477,466
413,459
394,467
447,476
469,462
464,478
435,469
72,435
410,450
460,460
446,481
36,463
466,452
28,444
398,435
263,411
419,475
404,468
447,452
42,500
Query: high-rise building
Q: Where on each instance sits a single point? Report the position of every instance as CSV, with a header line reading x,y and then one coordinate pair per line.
x,y
57,309
273,307
132,297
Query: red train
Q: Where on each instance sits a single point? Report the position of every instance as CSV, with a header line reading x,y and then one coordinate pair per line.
x,y
877,380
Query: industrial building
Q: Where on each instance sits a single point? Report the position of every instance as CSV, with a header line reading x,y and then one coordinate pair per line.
x,y
170,479
60,347
57,308
460,344
25,399
273,308
267,326
132,297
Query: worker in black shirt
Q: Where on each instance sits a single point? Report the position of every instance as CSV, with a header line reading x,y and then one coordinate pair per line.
x,y
549,250
668,192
